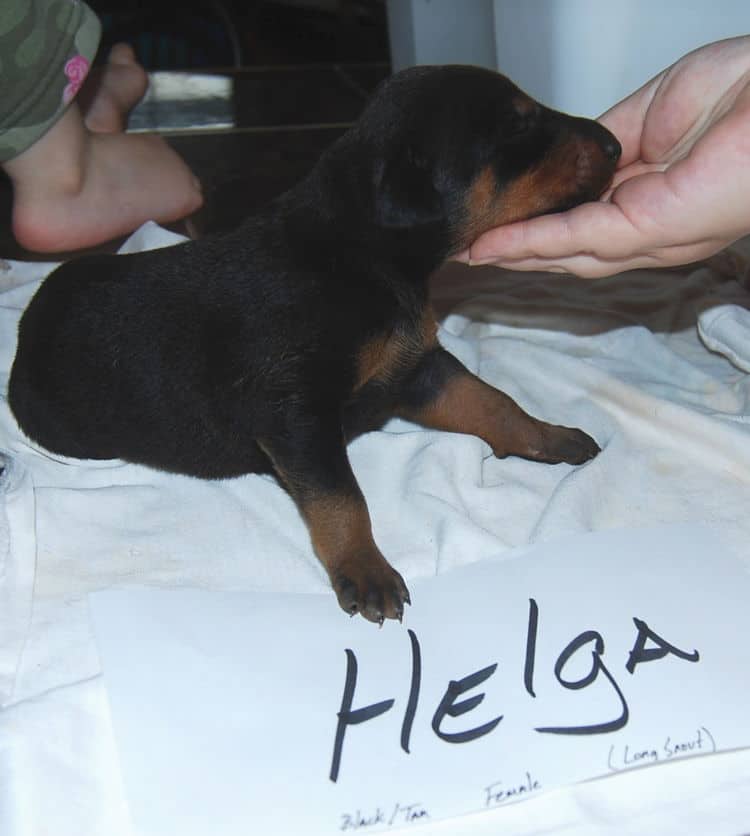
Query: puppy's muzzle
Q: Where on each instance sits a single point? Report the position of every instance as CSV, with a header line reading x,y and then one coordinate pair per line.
x,y
596,151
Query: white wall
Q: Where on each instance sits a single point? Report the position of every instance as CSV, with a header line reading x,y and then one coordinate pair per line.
x,y
441,32
581,56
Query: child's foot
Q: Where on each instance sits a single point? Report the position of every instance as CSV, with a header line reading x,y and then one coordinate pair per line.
x,y
110,92
85,181
75,188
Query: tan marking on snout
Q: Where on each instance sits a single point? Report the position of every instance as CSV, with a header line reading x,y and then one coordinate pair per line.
x,y
575,170
384,356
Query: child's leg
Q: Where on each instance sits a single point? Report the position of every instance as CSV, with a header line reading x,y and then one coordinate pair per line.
x,y
78,180
112,91
75,188
85,182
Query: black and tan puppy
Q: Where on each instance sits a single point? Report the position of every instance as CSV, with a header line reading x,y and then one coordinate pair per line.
x,y
266,349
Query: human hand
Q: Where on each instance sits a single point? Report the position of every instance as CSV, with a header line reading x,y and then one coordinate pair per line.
x,y
682,189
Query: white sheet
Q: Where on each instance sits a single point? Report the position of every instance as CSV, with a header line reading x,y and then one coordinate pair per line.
x,y
622,358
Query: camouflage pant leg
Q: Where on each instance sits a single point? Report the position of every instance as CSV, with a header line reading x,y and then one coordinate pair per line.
x,y
46,49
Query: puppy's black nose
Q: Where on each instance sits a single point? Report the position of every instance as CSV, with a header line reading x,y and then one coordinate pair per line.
x,y
612,149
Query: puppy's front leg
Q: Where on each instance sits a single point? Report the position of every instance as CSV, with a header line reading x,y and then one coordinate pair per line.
x,y
315,470
441,393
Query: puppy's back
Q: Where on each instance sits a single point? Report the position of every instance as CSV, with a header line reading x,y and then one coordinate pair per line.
x,y
178,358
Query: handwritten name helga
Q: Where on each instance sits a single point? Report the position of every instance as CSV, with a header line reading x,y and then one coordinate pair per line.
x,y
648,646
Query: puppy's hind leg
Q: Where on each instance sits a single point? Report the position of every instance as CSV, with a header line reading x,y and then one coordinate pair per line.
x,y
442,394
313,466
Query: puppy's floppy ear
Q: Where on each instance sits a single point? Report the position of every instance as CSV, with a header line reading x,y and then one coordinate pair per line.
x,y
405,194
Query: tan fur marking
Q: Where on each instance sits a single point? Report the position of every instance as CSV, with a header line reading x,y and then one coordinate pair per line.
x,y
383,357
377,355
488,206
560,176
339,528
482,195
429,328
363,579
469,405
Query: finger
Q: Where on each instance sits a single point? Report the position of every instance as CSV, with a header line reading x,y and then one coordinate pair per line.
x,y
581,266
633,170
627,117
591,267
600,228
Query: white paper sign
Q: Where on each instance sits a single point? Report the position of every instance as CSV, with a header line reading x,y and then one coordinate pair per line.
x,y
242,713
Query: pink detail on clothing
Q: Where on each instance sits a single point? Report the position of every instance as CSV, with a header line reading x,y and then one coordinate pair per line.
x,y
76,69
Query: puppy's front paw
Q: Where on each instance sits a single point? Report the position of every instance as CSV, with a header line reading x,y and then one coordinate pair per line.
x,y
565,444
372,587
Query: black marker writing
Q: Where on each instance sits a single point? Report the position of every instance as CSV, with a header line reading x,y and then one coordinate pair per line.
x,y
358,821
411,705
498,792
407,813
528,671
641,653
448,705
625,756
597,666
451,706
348,717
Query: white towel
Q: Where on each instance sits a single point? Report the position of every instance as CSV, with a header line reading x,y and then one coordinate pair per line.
x,y
726,330
620,358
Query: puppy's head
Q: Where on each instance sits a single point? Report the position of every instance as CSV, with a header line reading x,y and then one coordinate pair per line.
x,y
465,150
